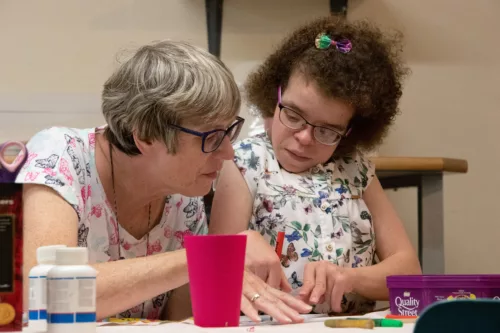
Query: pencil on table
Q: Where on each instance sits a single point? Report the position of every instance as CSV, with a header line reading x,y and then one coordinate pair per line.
x,y
344,323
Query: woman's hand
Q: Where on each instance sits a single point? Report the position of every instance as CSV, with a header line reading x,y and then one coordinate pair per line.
x,y
324,281
259,296
262,260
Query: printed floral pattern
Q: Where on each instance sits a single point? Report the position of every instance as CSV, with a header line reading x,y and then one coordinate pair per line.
x,y
321,212
64,159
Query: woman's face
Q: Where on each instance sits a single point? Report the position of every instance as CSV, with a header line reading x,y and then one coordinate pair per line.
x,y
190,171
298,150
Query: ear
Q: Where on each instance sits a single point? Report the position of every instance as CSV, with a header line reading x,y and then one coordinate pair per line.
x,y
144,146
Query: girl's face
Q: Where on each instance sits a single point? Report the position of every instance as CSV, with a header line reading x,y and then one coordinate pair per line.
x,y
298,150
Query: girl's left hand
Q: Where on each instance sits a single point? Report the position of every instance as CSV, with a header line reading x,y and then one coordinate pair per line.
x,y
324,281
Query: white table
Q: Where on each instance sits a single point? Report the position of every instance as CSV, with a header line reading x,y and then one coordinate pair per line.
x,y
316,327
313,325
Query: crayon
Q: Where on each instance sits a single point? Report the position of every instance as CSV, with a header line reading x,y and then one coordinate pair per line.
x,y
404,319
279,243
345,323
380,322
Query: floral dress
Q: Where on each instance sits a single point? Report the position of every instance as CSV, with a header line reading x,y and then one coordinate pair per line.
x,y
64,160
321,212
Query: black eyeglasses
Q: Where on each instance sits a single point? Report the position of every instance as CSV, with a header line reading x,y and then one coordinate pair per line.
x,y
211,140
293,120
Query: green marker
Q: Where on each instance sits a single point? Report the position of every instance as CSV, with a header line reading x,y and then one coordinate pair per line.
x,y
383,322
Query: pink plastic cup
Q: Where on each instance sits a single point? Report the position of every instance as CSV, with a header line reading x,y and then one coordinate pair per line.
x,y
215,267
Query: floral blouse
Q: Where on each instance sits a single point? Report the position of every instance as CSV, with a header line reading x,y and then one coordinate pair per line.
x,y
64,159
321,211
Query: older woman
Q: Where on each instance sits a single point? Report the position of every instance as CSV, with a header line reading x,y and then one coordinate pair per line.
x,y
131,189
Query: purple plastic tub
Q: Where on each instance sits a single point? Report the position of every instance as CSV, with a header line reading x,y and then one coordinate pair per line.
x,y
410,294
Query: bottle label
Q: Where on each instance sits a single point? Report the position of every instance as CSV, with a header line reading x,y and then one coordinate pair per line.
x,y
38,298
71,300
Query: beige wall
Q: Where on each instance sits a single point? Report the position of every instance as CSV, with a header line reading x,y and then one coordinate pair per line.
x,y
451,108
56,54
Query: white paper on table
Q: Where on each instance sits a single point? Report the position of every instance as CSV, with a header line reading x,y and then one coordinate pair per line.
x,y
308,318
313,324
135,323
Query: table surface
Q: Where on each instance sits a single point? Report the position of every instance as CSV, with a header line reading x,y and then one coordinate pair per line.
x,y
437,164
313,325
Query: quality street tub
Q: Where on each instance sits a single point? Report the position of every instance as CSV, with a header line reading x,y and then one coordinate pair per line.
x,y
410,294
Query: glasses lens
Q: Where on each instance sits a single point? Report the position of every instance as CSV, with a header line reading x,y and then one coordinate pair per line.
x,y
213,141
326,135
291,119
235,130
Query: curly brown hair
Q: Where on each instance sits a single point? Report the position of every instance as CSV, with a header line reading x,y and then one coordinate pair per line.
x,y
369,77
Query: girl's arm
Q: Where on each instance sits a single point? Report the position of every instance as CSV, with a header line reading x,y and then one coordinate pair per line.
x,y
393,247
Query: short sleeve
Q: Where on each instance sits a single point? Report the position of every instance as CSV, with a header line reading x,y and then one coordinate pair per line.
x,y
367,167
250,158
55,159
359,169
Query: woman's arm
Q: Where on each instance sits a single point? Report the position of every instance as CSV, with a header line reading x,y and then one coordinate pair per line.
x,y
232,204
49,219
394,249
125,283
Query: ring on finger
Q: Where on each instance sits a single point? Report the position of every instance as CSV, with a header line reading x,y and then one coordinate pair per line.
x,y
254,297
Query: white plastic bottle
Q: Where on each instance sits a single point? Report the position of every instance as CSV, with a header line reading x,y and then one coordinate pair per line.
x,y
46,259
71,302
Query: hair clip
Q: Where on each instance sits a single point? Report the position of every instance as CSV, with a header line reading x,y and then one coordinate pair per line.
x,y
323,42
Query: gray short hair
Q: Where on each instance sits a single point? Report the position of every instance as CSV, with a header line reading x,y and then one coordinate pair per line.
x,y
166,82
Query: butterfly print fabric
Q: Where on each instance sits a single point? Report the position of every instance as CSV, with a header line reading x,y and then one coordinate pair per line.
x,y
321,211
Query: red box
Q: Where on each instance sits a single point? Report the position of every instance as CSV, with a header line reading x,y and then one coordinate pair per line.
x,y
11,250
11,257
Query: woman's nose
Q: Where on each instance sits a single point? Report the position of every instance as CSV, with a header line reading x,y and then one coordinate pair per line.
x,y
225,151
305,136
